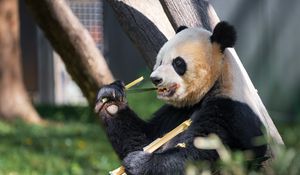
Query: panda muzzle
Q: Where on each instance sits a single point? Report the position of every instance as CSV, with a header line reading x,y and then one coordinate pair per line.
x,y
167,91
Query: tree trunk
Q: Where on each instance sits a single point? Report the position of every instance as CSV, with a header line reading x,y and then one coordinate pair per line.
x,y
14,100
73,43
192,13
145,23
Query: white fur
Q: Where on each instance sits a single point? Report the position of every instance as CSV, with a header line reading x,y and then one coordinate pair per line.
x,y
172,49
169,51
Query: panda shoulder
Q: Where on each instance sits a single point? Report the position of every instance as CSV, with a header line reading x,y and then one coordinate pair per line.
x,y
226,108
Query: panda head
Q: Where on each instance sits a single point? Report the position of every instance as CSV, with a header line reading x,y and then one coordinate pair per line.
x,y
189,64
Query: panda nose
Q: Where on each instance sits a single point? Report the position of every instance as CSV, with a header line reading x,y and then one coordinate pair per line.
x,y
156,80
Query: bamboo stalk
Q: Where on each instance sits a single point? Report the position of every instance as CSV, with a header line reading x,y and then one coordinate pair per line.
x,y
170,135
141,90
158,143
129,85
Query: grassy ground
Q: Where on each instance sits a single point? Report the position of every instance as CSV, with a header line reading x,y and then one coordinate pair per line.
x,y
60,148
74,143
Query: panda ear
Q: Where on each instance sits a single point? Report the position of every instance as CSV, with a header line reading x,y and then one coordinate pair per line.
x,y
180,28
224,34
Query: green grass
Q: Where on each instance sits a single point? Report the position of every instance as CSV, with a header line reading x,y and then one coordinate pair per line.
x,y
74,143
59,148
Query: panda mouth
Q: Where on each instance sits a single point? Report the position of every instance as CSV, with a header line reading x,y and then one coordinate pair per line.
x,y
167,91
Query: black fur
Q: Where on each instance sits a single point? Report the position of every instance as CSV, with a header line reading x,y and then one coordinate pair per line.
x,y
116,95
234,122
181,28
179,65
224,34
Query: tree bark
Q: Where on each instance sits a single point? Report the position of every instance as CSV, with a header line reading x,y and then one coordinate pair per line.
x,y
73,43
14,100
145,23
192,13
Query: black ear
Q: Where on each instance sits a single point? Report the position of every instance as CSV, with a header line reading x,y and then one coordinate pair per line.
x,y
180,28
224,34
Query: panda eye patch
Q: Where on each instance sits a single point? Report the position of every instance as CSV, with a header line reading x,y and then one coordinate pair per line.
x,y
179,65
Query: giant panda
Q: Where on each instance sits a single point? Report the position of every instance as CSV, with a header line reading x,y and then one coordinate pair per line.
x,y
194,78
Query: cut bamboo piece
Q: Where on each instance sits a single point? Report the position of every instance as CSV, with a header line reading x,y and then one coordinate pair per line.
x,y
134,82
153,146
170,135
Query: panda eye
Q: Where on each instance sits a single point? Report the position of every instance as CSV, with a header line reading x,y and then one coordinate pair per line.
x,y
179,65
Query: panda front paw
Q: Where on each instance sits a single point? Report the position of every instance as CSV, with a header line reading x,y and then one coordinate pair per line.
x,y
137,162
111,98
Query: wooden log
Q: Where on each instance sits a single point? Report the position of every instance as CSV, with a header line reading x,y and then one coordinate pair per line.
x,y
73,43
